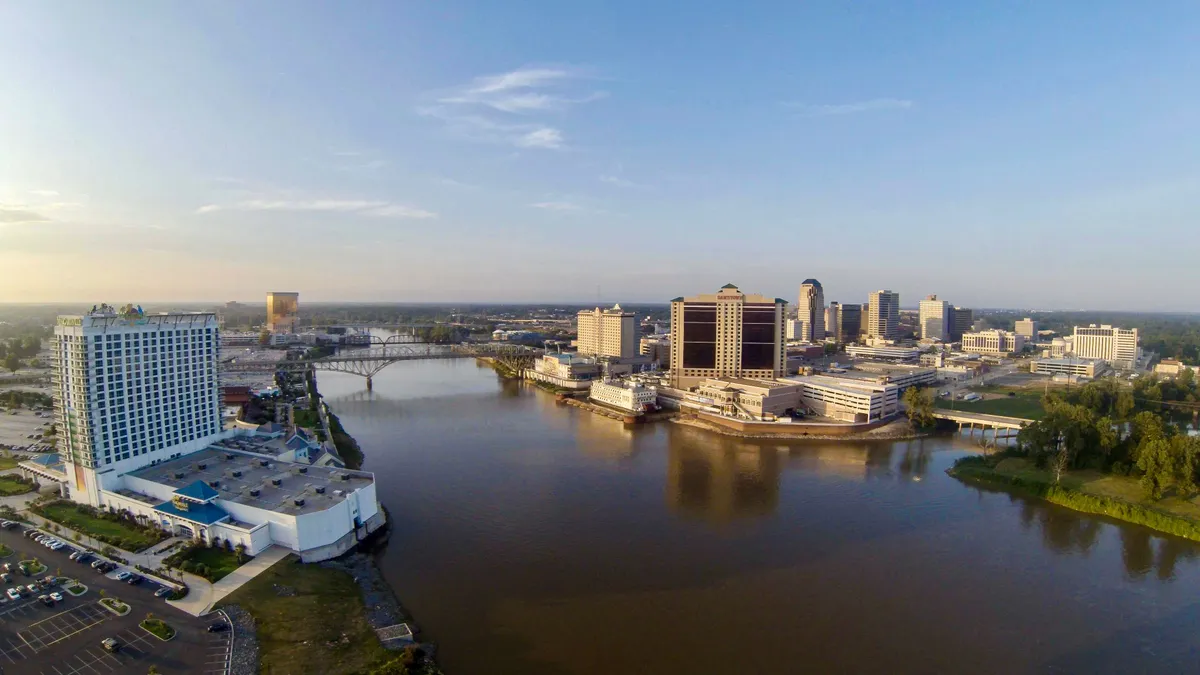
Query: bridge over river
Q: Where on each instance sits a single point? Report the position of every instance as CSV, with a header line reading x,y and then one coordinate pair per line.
x,y
368,361
1001,426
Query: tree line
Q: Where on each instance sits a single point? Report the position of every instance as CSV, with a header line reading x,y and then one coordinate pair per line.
x,y
1138,431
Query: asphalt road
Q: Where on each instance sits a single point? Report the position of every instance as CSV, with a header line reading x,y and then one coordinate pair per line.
x,y
65,639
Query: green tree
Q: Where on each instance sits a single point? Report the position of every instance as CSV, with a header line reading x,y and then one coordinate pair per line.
x,y
264,338
12,362
918,404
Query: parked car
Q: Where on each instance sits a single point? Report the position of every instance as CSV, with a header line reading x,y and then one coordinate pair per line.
x,y
217,627
134,580
110,645
97,564
82,557
8,567
13,594
122,576
56,596
75,555
45,600
31,588
162,592
6,577
9,524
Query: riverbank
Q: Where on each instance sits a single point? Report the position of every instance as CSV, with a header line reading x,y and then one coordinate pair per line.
x,y
897,430
1116,497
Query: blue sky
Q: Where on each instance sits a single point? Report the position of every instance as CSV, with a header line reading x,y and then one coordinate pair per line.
x,y
997,154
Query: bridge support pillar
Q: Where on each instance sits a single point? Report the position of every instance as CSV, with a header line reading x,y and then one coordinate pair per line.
x,y
368,384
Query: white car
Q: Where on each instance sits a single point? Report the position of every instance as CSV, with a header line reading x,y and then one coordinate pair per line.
x,y
122,576
56,596
13,594
56,545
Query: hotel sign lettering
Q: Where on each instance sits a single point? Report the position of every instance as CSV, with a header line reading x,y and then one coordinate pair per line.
x,y
179,503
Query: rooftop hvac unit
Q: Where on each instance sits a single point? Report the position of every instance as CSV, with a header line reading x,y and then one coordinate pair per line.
x,y
276,482
237,474
202,466
345,476
299,502
263,462
229,455
255,492
321,490
340,493
178,474
304,469
214,483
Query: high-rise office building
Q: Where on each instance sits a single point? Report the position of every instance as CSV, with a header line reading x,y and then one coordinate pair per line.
x,y
607,332
960,323
934,318
726,334
810,311
131,389
843,322
1118,346
883,320
283,311
1027,327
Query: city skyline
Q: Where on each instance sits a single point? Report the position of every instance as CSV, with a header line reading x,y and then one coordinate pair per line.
x,y
427,152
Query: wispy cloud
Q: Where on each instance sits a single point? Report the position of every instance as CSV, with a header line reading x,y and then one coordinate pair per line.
x,y
545,137
873,105
13,215
471,109
44,193
381,209
557,206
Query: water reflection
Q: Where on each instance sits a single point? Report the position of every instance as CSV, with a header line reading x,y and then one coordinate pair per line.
x,y
720,483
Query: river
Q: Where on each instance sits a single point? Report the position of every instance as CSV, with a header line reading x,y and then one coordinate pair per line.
x,y
540,539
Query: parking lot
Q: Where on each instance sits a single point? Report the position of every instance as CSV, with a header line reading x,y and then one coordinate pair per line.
x,y
65,639
15,430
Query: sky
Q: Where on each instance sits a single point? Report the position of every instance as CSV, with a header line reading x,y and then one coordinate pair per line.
x,y
998,154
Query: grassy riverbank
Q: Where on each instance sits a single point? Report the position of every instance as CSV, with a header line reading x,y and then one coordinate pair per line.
x,y
311,619
1118,497
1009,402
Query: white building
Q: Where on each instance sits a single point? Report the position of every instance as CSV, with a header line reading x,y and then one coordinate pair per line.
x,y
1171,368
131,389
848,400
607,332
633,397
1118,346
1073,366
810,312
993,343
935,318
793,330
890,353
900,374
138,407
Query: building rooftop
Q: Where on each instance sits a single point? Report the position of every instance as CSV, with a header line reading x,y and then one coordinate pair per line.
x,y
206,514
198,490
279,484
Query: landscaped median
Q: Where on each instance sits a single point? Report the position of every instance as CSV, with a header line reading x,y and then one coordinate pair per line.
x,y
1117,497
32,567
74,588
115,606
14,485
157,627
5,551
110,528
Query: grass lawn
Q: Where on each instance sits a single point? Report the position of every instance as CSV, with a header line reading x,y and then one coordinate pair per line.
x,y
219,561
5,551
161,629
1024,404
10,486
303,633
8,462
108,531
34,567
115,605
